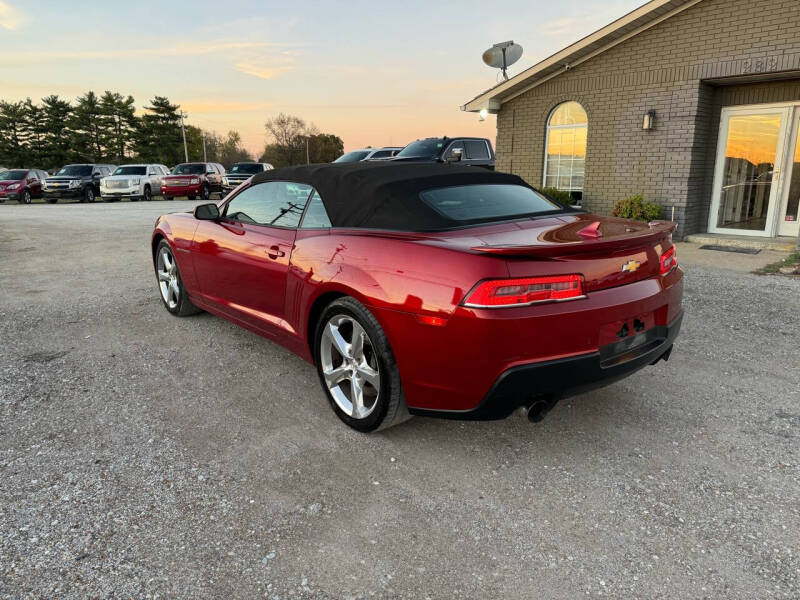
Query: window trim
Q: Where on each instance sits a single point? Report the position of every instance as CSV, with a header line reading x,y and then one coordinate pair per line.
x,y
228,200
548,127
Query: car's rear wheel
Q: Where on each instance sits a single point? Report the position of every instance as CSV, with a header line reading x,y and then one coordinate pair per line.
x,y
173,293
357,368
25,198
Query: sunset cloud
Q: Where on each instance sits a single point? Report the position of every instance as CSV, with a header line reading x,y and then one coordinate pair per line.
x,y
262,72
179,49
11,17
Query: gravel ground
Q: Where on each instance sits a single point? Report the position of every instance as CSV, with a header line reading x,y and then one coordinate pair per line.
x,y
143,455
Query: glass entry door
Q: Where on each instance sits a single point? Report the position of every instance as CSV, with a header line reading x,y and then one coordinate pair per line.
x,y
789,215
746,182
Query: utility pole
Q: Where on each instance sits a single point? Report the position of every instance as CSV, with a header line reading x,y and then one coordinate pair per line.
x,y
183,132
204,147
308,160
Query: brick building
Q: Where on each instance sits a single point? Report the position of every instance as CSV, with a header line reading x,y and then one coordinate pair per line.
x,y
693,103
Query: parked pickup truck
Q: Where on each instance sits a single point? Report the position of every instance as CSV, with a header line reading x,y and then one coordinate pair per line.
x,y
241,172
476,152
75,181
135,182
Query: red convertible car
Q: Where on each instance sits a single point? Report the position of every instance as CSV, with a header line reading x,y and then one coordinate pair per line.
x,y
427,289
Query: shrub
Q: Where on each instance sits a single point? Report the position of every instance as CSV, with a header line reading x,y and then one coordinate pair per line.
x,y
558,195
636,208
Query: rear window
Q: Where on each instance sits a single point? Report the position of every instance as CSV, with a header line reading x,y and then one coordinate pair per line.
x,y
486,202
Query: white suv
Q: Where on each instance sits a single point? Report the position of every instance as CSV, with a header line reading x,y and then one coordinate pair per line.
x,y
135,182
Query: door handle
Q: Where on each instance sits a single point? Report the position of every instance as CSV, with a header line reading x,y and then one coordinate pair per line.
x,y
275,252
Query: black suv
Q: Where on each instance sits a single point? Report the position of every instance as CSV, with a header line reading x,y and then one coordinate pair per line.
x,y
463,150
75,181
241,172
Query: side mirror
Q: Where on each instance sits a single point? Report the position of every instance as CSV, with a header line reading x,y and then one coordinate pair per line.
x,y
97,174
206,212
455,155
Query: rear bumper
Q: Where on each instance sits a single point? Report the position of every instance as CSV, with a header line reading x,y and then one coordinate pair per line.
x,y
557,379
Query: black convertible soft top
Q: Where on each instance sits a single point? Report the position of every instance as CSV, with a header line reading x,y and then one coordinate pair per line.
x,y
384,195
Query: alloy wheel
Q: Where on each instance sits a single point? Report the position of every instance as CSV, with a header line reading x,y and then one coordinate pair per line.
x,y
168,278
26,197
350,367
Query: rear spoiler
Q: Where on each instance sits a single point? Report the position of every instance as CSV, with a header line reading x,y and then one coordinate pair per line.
x,y
657,231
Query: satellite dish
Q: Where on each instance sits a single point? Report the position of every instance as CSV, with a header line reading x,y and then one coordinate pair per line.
x,y
503,55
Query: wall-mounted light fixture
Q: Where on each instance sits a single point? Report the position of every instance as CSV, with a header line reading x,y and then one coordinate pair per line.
x,y
483,114
649,122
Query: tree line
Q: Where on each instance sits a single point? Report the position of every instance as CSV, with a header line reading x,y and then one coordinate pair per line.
x,y
294,142
105,128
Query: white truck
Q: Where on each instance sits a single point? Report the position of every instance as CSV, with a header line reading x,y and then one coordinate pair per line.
x,y
135,182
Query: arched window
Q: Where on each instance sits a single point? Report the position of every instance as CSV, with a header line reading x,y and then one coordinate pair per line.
x,y
565,156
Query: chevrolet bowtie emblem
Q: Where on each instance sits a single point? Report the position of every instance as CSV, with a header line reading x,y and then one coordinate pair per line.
x,y
631,266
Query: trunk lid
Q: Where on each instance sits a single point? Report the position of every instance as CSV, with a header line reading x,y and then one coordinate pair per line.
x,y
607,251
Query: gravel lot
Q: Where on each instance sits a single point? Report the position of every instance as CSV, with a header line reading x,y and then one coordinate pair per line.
x,y
143,455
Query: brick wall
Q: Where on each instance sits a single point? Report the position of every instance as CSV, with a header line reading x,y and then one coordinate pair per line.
x,y
675,68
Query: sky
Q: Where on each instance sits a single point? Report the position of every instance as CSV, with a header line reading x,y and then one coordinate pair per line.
x,y
375,73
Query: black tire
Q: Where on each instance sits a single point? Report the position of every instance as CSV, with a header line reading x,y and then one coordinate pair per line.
x,y
169,197
51,200
184,306
192,197
88,194
25,197
205,193
148,194
390,406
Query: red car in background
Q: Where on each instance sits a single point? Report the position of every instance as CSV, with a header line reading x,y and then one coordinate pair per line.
x,y
21,185
193,179
436,289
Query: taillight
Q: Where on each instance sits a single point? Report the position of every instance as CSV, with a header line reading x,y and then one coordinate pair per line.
x,y
499,293
669,260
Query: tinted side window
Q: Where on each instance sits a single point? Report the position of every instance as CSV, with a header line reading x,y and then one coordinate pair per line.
x,y
277,203
316,216
476,150
381,154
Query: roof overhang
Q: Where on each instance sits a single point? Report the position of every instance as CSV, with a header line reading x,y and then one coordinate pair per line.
x,y
615,33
